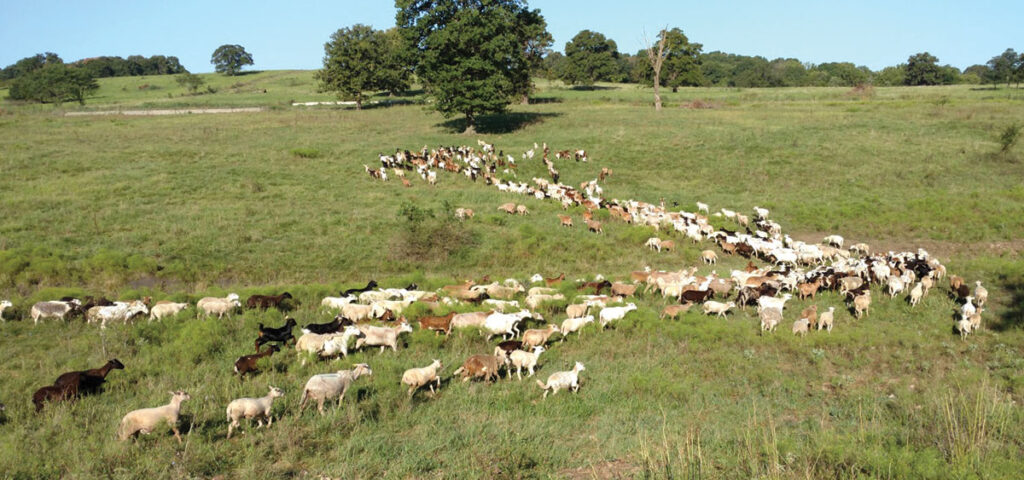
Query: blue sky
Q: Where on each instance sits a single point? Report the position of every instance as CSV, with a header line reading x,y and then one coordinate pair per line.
x,y
284,35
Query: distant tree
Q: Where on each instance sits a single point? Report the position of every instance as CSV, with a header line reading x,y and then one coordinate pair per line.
x,y
472,55
397,77
190,81
229,59
681,64
922,70
751,72
54,83
536,42
788,72
590,57
845,74
551,67
717,68
1003,67
30,64
891,76
359,59
656,58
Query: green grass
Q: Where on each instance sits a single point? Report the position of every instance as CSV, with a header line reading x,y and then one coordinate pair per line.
x,y
185,206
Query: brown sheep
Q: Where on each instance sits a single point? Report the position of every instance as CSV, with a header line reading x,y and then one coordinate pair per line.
x,y
594,226
538,336
509,208
623,289
673,311
811,314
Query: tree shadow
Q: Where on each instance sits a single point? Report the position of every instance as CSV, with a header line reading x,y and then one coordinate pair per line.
x,y
542,100
1013,316
246,72
498,123
591,88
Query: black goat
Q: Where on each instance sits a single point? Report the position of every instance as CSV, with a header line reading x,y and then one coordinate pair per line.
x,y
355,291
335,325
278,334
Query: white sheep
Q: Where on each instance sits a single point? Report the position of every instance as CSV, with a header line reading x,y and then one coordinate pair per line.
x,y
654,243
577,310
535,301
834,240
762,213
338,343
522,359
148,419
502,305
717,308
703,207
220,306
964,327
610,314
801,326
418,377
4,305
55,309
382,336
770,318
968,309
826,319
161,310
560,380
336,303
916,293
330,385
249,408
357,312
575,324
980,293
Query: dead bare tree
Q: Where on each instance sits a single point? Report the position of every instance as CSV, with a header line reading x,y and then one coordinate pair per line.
x,y
657,59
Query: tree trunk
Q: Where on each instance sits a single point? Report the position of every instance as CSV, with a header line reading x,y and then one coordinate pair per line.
x,y
470,125
657,92
525,100
359,103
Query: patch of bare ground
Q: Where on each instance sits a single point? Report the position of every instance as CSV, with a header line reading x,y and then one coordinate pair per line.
x,y
612,469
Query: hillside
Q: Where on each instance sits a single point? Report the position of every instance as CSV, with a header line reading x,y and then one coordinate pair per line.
x,y
187,206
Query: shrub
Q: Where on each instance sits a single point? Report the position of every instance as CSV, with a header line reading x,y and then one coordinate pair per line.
x,y
305,152
1009,137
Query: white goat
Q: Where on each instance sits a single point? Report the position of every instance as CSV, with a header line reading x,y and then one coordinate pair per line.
x,y
575,324
610,314
382,336
505,323
717,308
220,306
249,408
826,319
560,380
773,302
336,303
161,310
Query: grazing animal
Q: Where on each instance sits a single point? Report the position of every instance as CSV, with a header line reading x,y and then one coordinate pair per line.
x,y
709,257
575,324
861,304
916,293
330,385
250,408
509,208
480,366
337,303
280,334
559,380
148,419
610,314
119,312
217,306
770,318
161,310
523,359
356,291
437,324
264,302
89,381
54,393
718,308
5,304
554,280
418,377
333,326
536,337
57,309
566,220
382,337
521,209
594,226
980,294
673,311
801,326
826,319
247,363
811,314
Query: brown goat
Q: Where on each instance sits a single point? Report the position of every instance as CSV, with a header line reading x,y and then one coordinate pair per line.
x,y
810,289
594,226
438,324
623,289
673,311
247,363
566,220
480,366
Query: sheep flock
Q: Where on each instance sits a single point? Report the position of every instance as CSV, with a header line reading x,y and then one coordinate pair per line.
x,y
778,268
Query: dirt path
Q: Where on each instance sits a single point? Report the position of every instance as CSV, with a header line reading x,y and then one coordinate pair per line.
x,y
179,111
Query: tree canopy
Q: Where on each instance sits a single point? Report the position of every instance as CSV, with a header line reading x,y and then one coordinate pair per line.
x,y
922,70
360,59
682,61
229,59
53,83
472,56
590,57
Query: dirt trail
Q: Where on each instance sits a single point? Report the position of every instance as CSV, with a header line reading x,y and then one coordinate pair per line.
x,y
178,111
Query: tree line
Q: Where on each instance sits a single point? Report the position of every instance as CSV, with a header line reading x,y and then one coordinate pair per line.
x,y
475,58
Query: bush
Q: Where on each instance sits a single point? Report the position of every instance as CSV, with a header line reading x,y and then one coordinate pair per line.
x,y
1009,137
306,152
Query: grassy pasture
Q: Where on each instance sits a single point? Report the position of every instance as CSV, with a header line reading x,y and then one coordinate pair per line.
x,y
185,206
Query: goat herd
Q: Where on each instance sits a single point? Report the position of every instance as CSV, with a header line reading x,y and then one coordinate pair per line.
x,y
793,268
